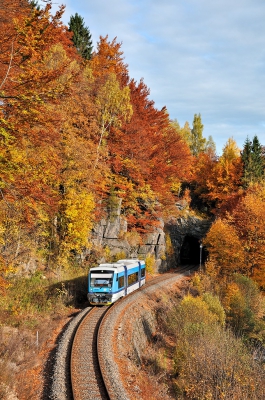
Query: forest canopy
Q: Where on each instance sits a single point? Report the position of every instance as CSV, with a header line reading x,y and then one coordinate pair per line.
x,y
78,133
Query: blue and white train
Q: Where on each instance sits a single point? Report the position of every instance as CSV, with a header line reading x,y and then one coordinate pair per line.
x,y
109,282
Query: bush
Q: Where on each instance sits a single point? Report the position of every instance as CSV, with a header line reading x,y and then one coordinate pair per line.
x,y
29,297
213,364
245,307
150,263
209,362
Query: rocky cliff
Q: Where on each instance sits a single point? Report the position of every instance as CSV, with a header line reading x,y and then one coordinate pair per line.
x,y
172,243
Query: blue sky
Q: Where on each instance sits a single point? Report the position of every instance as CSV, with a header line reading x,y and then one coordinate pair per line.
x,y
195,56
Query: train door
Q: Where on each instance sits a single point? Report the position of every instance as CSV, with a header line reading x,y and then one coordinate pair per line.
x,y
125,279
139,273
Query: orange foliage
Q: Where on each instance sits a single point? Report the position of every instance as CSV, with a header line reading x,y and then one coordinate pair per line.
x,y
108,59
35,73
77,133
237,243
225,248
147,148
249,220
219,181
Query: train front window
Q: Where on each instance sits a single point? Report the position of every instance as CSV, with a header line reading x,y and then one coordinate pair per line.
x,y
101,280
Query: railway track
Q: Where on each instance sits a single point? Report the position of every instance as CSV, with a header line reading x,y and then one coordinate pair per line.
x,y
86,378
92,375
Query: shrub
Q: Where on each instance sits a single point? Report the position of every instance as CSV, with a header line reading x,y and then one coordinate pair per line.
x,y
245,307
150,263
213,364
209,362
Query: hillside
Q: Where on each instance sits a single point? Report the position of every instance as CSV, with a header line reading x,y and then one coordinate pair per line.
x,y
91,171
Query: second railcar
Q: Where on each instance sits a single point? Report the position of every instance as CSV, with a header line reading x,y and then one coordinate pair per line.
x,y
111,281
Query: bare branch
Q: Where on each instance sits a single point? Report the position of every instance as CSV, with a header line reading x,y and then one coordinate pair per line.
x,y
9,65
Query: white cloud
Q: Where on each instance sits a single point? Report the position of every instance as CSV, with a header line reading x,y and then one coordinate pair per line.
x,y
195,56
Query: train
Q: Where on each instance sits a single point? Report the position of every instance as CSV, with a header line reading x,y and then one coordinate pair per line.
x,y
110,281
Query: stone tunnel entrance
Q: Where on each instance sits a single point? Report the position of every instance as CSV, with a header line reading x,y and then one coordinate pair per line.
x,y
186,235
190,251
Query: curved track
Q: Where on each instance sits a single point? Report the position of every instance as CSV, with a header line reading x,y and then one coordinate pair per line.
x,y
89,369
87,382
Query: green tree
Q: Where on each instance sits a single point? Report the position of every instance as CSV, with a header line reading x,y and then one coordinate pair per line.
x,y
210,147
184,132
34,4
253,161
198,142
258,159
81,36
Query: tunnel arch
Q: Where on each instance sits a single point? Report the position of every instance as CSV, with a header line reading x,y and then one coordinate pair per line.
x,y
190,252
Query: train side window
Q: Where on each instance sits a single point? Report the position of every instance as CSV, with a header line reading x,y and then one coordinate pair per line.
x,y
121,281
142,272
132,278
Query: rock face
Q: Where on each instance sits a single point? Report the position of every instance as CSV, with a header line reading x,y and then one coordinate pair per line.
x,y
112,233
185,235
167,245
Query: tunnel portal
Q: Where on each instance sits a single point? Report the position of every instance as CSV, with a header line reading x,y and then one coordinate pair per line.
x,y
190,251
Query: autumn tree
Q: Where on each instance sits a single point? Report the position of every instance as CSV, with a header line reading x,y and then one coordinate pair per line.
x,y
225,248
148,152
82,38
236,244
210,147
184,131
108,59
244,306
249,217
114,107
36,71
218,181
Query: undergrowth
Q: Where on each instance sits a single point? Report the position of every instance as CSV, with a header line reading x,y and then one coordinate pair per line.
x,y
30,309
198,351
38,295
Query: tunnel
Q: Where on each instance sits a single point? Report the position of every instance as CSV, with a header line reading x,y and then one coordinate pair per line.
x,y
191,252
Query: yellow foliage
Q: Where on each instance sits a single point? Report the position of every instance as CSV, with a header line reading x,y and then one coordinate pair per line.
x,y
133,238
150,263
113,102
176,187
225,248
249,218
196,311
232,291
79,208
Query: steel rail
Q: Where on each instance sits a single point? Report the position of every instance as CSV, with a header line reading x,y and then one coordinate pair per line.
x,y
86,379
89,369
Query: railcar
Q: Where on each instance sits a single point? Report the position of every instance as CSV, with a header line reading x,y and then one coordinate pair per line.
x,y
111,281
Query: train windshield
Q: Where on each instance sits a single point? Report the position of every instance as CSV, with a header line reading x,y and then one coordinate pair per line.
x,y
101,279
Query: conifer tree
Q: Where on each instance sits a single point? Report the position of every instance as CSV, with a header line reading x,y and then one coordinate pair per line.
x,y
81,36
253,161
258,160
34,4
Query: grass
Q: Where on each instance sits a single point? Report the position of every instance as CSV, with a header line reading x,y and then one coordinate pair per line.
x,y
31,297
31,310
